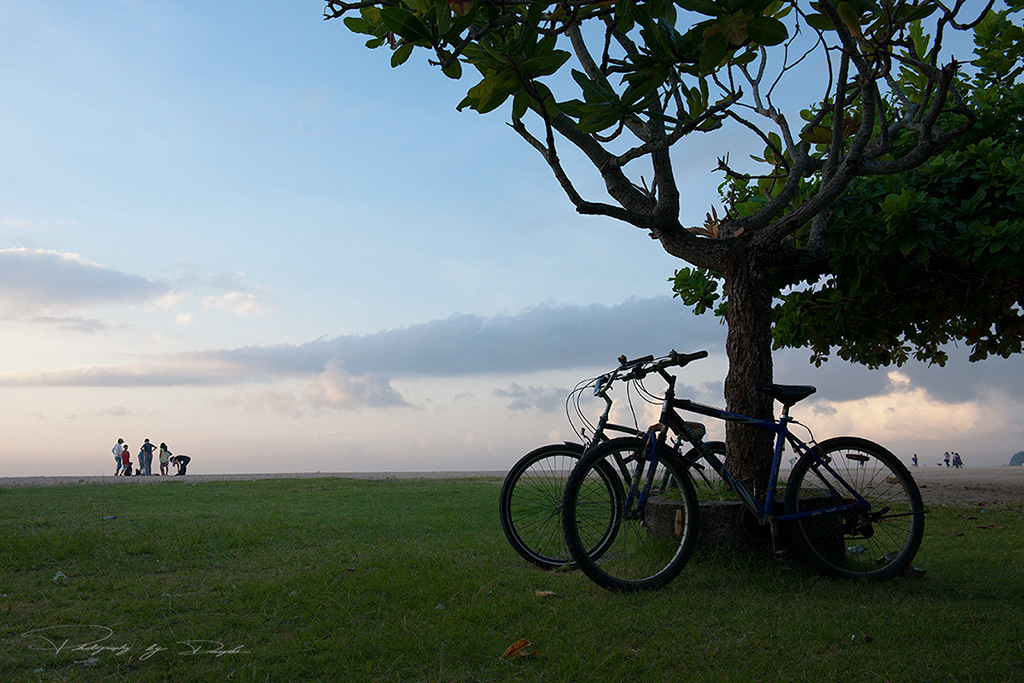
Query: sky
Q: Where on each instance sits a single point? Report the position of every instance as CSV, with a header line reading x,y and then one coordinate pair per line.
x,y
236,230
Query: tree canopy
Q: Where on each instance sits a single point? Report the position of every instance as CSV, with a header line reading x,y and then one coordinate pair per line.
x,y
927,257
627,83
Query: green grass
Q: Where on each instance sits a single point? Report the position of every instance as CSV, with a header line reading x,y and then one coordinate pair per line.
x,y
333,579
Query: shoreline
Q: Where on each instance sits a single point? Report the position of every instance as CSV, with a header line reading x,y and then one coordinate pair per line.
x,y
938,485
84,479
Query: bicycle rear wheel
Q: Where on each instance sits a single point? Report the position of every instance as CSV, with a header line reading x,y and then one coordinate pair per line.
x,y
872,543
640,548
530,503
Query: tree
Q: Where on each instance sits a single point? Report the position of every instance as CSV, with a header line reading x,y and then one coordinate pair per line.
x,y
646,76
929,256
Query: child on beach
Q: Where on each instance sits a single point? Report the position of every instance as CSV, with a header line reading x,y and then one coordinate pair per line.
x,y
165,456
126,461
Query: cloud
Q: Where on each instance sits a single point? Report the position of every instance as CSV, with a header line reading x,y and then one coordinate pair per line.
x,y
959,380
72,324
160,374
334,388
545,337
239,303
541,399
348,371
38,283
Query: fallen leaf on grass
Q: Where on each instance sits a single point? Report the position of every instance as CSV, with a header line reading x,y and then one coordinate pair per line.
x,y
517,650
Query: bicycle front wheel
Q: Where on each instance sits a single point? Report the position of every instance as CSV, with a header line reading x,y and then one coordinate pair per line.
x,y
530,503
875,541
643,544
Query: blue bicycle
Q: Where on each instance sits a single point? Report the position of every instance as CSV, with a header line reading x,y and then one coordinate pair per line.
x,y
850,506
530,502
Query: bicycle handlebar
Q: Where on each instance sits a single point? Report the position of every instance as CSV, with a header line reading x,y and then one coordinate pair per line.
x,y
645,366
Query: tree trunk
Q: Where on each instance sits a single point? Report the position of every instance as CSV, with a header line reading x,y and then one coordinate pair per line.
x,y
749,349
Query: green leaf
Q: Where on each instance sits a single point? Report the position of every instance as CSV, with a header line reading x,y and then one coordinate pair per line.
x,y
734,27
520,104
820,22
716,47
819,135
707,7
545,64
850,17
400,55
405,24
766,30
453,70
358,25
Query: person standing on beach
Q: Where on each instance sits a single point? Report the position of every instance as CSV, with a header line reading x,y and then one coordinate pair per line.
x,y
146,457
946,458
165,456
117,450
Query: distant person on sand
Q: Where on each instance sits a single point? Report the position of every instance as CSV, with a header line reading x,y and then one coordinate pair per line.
x,y
181,462
914,459
126,461
146,457
957,461
117,450
165,456
946,459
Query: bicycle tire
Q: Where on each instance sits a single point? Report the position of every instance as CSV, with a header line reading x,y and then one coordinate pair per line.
x,y
870,545
530,503
642,553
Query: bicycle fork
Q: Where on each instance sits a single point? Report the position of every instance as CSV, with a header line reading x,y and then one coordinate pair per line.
x,y
640,486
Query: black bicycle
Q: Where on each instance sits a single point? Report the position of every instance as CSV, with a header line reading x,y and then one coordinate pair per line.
x,y
851,506
530,502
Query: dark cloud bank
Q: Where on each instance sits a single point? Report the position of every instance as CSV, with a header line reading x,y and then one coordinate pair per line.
x,y
545,337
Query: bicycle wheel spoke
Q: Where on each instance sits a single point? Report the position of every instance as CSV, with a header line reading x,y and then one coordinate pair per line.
x,y
642,547
878,534
530,504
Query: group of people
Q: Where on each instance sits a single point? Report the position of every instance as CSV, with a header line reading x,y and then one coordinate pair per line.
x,y
953,458
950,459
123,460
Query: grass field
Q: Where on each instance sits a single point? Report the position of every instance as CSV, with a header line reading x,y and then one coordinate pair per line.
x,y
412,580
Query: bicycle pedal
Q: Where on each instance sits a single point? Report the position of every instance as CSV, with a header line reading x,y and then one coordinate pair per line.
x,y
782,559
781,555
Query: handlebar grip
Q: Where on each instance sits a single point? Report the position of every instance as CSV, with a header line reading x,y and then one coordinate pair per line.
x,y
685,358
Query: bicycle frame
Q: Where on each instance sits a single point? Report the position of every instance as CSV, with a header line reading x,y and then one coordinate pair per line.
x,y
780,428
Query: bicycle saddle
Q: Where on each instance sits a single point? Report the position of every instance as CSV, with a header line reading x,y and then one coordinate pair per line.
x,y
786,394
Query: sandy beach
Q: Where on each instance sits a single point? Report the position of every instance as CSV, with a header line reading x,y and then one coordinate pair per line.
x,y
974,485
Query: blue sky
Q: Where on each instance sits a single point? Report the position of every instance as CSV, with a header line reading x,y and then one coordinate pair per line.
x,y
239,231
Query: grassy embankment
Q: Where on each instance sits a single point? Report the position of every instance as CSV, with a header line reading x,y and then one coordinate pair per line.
x,y
331,579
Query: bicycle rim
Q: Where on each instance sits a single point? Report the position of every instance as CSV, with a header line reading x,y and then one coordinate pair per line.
x,y
639,549
872,544
531,501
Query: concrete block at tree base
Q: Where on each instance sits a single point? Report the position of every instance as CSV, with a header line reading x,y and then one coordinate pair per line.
x,y
729,527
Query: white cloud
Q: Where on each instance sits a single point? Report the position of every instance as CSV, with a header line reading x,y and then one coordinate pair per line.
x,y
39,282
543,399
239,303
334,388
904,412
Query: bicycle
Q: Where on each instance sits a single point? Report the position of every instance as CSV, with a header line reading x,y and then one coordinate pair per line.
x,y
530,501
850,506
